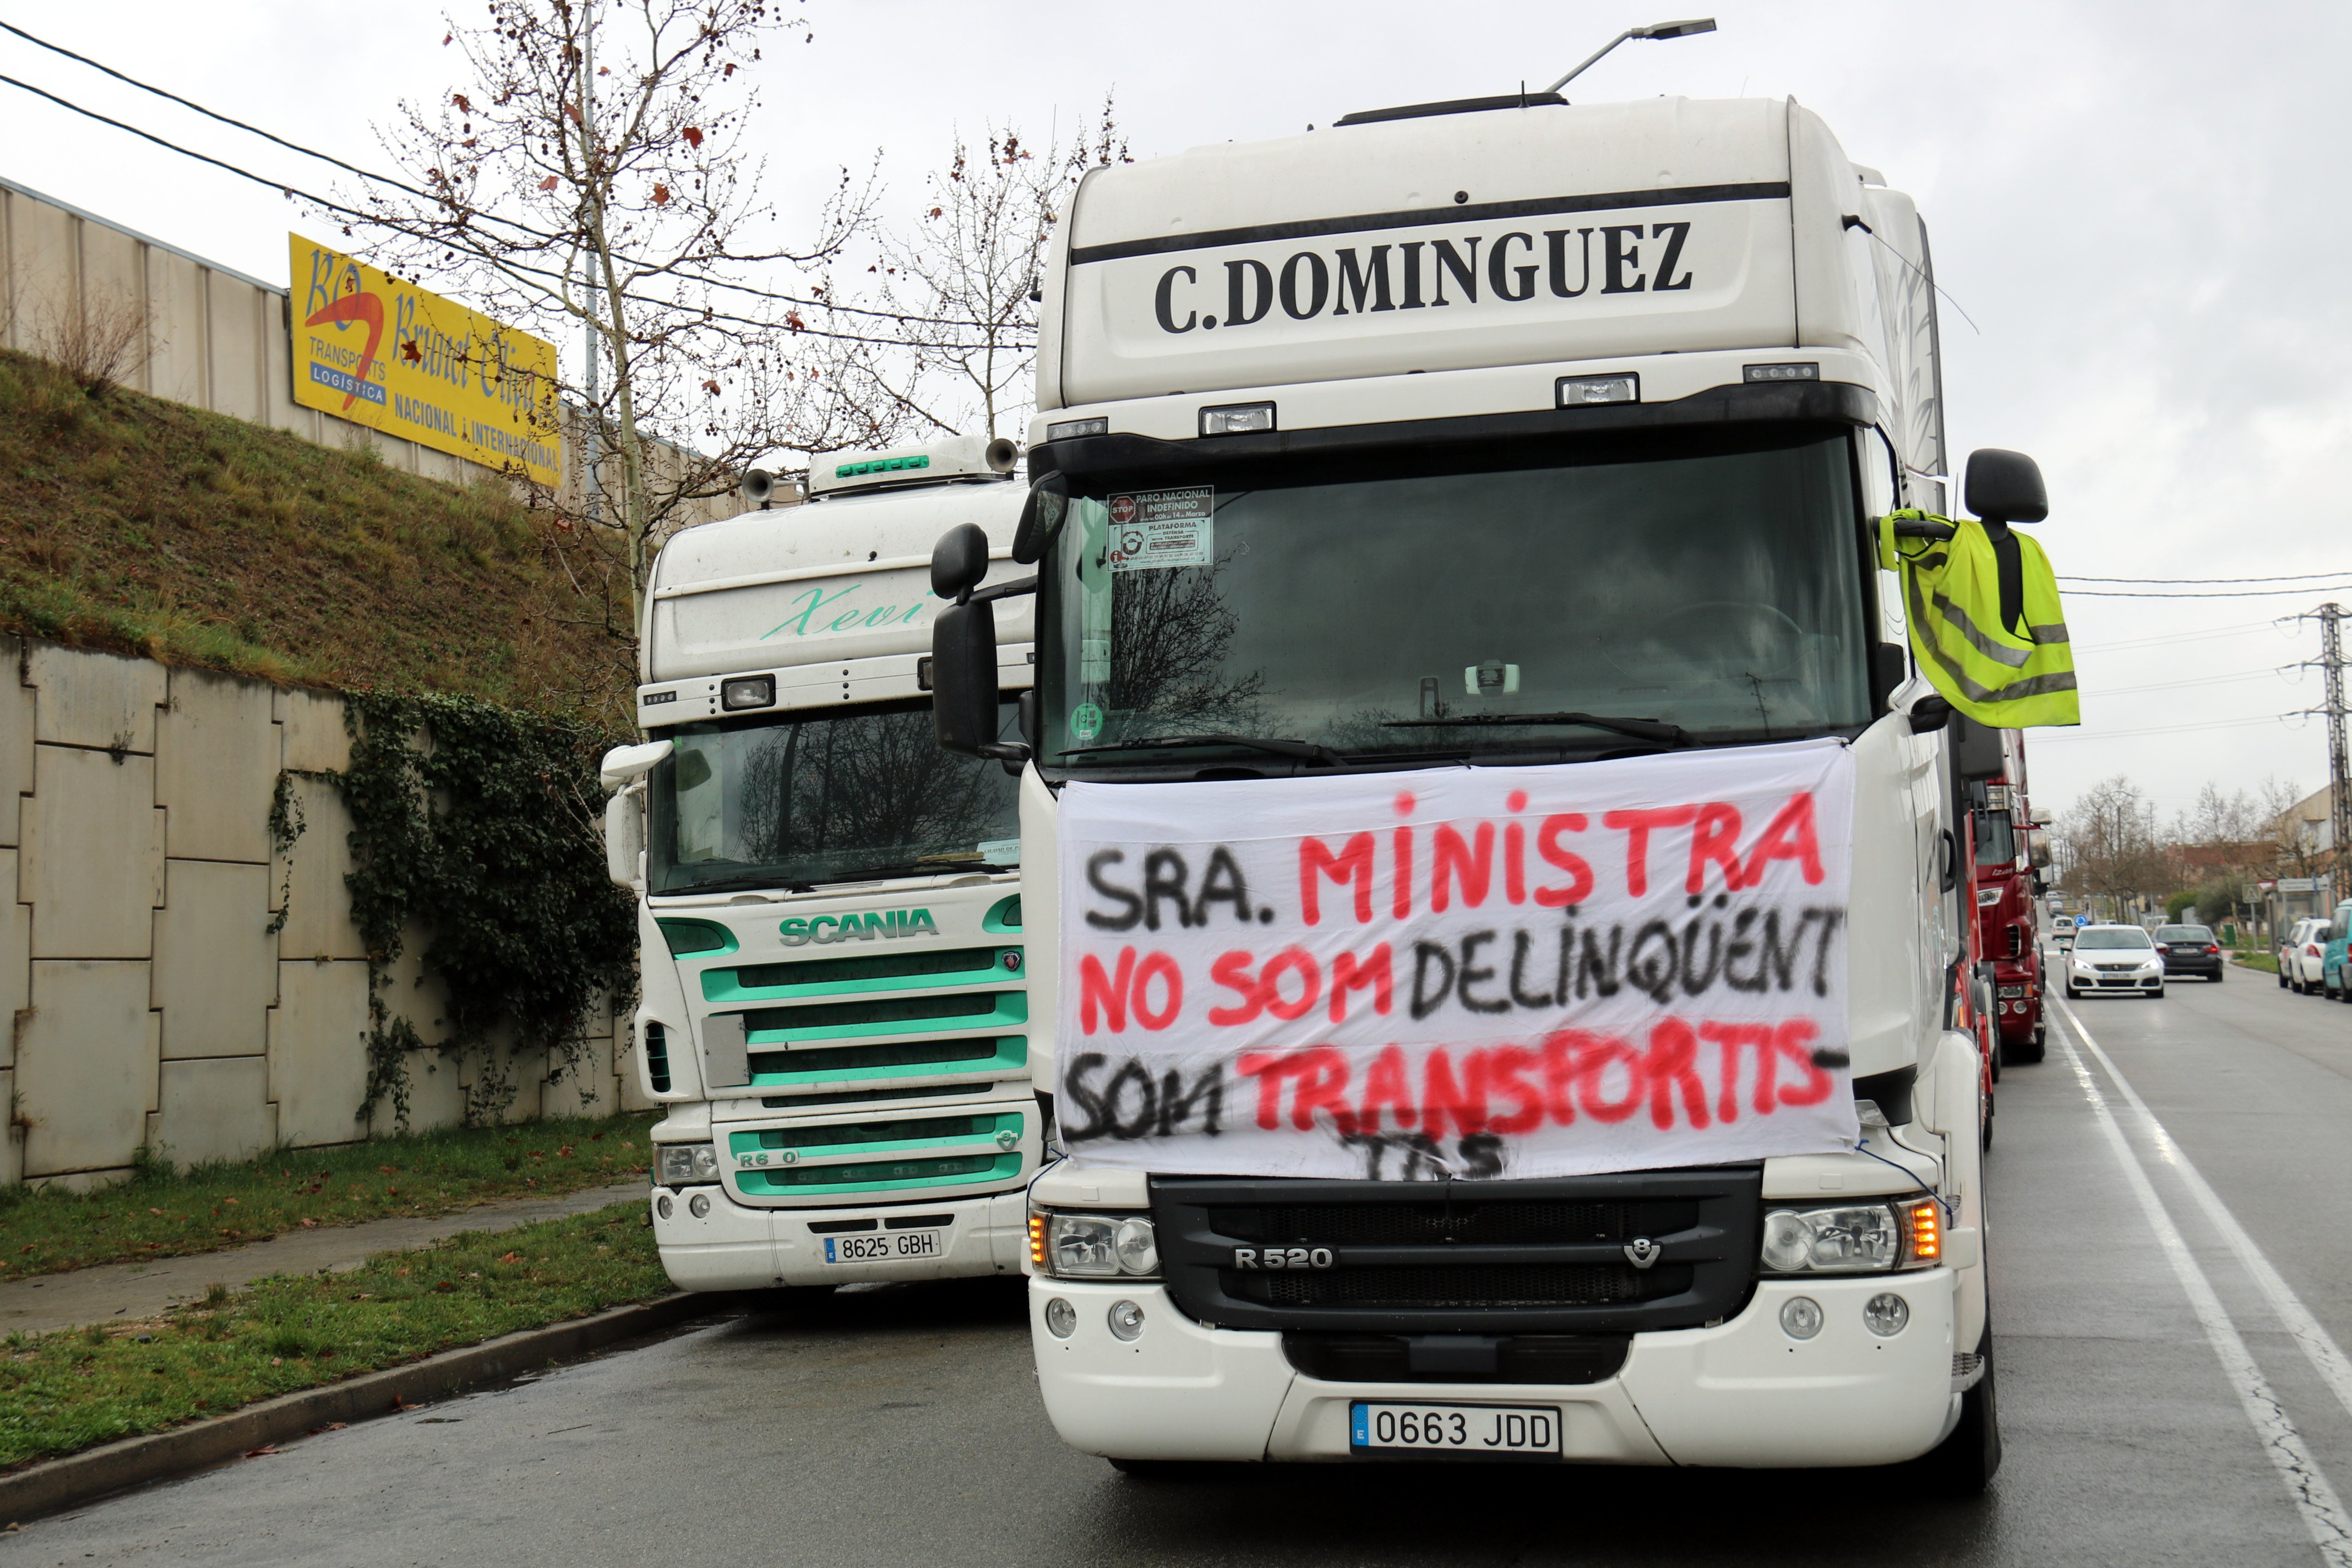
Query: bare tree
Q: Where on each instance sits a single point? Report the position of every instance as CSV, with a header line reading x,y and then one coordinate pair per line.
x,y
967,278
2109,842
590,174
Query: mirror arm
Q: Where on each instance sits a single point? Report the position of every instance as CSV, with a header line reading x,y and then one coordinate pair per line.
x,y
1011,590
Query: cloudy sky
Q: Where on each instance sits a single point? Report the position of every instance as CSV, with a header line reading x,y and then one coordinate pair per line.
x,y
2143,208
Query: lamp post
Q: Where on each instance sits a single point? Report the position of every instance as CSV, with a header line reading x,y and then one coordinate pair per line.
x,y
1655,30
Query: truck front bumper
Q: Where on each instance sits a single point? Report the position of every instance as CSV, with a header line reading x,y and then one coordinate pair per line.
x,y
1743,1394
738,1247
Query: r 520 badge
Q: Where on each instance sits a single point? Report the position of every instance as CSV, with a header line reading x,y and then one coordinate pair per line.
x,y
1282,1258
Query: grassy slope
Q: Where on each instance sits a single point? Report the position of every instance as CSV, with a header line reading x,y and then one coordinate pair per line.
x,y
69,1390
142,526
163,1214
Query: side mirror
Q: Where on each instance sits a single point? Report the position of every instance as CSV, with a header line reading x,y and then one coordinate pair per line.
x,y
958,562
1041,517
2003,488
625,837
1930,714
625,765
963,683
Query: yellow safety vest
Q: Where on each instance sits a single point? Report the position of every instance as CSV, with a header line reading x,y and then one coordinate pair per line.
x,y
2005,665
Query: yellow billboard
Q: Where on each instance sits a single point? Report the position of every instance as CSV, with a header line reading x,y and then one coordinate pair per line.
x,y
387,354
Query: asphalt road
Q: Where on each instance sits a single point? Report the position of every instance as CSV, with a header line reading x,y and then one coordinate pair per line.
x,y
2158,1403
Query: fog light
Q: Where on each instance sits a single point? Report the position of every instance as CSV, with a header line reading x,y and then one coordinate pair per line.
x,y
1885,1313
1237,419
664,1207
1801,1317
750,691
699,1205
1061,1318
1071,429
1582,391
1126,1319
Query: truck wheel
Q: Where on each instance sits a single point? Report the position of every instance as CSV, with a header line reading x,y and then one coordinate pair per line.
x,y
1963,1463
2281,975
2025,1053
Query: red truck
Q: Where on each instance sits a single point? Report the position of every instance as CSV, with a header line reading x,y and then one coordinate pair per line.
x,y
2009,857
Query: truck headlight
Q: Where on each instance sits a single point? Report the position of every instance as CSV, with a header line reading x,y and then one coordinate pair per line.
x,y
1853,1238
683,1164
1093,1246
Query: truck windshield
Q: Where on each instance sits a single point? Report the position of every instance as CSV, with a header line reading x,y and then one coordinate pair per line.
x,y
1710,584
832,796
1996,839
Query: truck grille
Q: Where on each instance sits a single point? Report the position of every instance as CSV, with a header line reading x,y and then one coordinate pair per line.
x,y
1477,1285
879,1154
879,971
1512,1257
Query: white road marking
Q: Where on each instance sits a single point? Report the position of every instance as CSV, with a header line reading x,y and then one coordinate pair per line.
x,y
2318,1345
2306,1484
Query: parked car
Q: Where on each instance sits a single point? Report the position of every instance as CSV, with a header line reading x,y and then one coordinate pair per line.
x,y
2335,967
2117,959
2302,954
2190,950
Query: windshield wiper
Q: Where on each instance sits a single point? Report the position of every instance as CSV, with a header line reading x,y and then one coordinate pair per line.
x,y
752,881
1304,751
1639,729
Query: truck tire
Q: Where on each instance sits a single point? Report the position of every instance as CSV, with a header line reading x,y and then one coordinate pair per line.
x,y
2025,1053
1963,1463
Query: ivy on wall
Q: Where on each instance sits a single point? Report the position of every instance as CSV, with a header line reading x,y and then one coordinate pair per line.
x,y
478,826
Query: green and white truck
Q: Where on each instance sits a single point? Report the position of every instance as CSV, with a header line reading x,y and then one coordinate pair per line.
x,y
834,1006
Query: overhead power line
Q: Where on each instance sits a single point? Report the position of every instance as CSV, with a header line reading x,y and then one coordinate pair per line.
x,y
2229,593
2242,629
2052,737
330,204
519,227
2187,582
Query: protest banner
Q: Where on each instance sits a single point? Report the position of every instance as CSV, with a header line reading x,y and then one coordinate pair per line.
x,y
1476,972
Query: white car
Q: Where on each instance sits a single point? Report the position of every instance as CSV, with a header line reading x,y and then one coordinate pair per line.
x,y
2302,958
2117,959
2062,930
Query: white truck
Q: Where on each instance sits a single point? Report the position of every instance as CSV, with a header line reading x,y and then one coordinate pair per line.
x,y
834,1003
1448,441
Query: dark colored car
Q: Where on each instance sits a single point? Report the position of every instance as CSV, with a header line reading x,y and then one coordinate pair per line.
x,y
2190,950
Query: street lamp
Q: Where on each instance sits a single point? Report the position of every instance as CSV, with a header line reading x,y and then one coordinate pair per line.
x,y
1655,30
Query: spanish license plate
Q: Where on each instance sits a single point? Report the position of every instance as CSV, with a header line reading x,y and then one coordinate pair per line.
x,y
1455,1428
888,1248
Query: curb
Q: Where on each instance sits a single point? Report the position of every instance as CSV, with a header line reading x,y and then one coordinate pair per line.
x,y
58,1483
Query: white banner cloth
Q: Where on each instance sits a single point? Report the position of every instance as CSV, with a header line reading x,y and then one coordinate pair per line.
x,y
1482,972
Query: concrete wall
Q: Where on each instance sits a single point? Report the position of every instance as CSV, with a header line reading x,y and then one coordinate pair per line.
x,y
220,339
148,1002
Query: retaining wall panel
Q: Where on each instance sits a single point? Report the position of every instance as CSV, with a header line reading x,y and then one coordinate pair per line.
x,y
12,1145
86,1064
314,740
41,266
216,766
175,292
213,1109
318,1052
233,339
216,959
318,922
92,861
16,702
15,958
113,274
94,699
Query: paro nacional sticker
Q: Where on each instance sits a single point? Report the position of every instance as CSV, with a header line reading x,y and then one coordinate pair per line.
x,y
1154,529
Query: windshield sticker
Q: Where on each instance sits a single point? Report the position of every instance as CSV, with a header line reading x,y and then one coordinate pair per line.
x,y
1001,851
1085,721
1150,529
